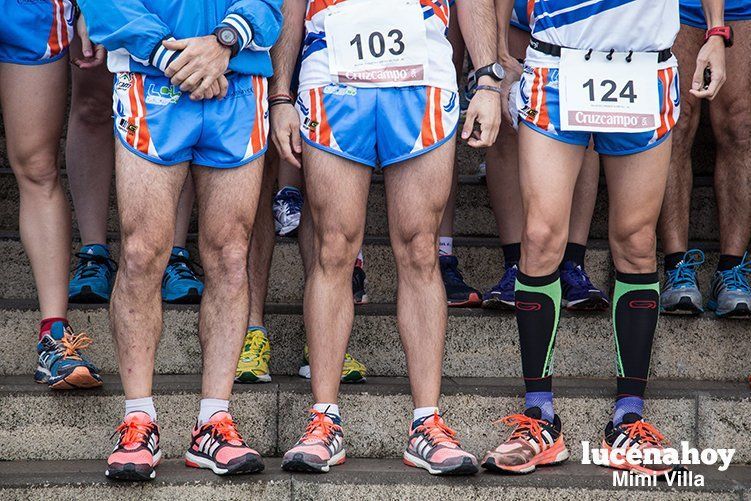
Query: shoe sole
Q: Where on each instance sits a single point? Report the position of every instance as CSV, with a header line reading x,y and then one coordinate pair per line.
x,y
79,379
467,466
299,465
473,301
192,297
542,460
685,306
132,472
304,372
589,304
252,465
250,378
740,311
360,300
87,296
498,304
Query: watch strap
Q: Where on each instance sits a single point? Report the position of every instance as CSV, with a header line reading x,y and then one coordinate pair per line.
x,y
726,32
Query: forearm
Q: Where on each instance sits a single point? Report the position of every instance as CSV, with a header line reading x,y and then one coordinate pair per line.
x,y
477,21
714,12
284,54
503,9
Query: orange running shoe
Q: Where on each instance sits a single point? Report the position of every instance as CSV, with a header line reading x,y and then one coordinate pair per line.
x,y
635,432
320,447
433,446
218,446
137,451
534,442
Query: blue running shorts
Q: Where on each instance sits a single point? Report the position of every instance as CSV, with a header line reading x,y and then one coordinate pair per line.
x,y
692,13
35,31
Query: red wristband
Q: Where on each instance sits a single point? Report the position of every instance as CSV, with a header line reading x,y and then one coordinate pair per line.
x,y
726,32
288,96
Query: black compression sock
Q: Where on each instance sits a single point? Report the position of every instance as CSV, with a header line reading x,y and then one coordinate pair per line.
x,y
636,303
575,253
511,254
538,307
727,261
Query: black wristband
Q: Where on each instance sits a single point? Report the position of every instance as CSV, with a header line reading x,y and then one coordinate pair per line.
x,y
280,101
489,87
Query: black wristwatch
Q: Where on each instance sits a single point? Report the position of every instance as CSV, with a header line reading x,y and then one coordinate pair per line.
x,y
228,36
494,71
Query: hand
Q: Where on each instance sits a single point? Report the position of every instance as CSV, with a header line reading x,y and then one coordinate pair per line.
x,y
513,70
712,56
93,55
201,62
285,132
218,90
485,110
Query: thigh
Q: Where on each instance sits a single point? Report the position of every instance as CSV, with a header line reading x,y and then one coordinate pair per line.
x,y
687,45
336,192
417,191
147,197
33,101
730,111
636,186
548,170
227,201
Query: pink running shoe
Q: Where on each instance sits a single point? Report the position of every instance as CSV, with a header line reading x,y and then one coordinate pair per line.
x,y
320,447
432,446
218,446
137,451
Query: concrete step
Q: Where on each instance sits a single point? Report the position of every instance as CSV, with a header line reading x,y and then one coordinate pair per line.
x,y
479,343
369,479
474,216
39,424
480,260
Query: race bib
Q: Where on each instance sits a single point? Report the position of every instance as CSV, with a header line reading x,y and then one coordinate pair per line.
x,y
376,43
602,95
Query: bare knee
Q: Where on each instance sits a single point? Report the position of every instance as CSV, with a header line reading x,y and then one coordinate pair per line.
x,y
634,248
142,258
542,247
225,263
335,251
92,110
732,135
36,171
417,254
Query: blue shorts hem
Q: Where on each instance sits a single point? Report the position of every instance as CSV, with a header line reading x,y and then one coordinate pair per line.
x,y
214,165
38,62
416,154
552,135
634,151
158,161
337,152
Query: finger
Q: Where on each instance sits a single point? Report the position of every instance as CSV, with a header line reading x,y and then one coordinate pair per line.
x,y
100,54
204,89
86,47
283,144
714,86
178,64
697,83
215,89
191,83
469,123
296,140
223,86
175,44
184,73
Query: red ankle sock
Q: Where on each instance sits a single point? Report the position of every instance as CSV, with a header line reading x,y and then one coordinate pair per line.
x,y
46,325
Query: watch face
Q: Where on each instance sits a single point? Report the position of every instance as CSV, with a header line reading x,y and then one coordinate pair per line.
x,y
498,71
227,36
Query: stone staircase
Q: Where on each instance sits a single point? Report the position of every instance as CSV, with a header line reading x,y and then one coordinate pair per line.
x,y
52,445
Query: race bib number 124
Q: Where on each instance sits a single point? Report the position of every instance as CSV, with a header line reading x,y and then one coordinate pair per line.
x,y
608,95
377,43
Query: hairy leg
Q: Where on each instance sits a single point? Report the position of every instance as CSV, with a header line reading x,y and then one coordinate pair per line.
x,y
32,99
227,203
585,197
147,197
184,212
414,217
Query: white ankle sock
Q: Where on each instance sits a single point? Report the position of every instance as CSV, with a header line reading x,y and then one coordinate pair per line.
x,y
328,409
145,404
445,246
209,407
360,258
423,412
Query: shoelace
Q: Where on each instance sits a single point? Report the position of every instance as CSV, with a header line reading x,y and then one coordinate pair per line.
x,y
525,427
736,278
684,275
438,431
84,268
225,429
70,345
290,203
578,276
644,432
255,348
180,267
133,433
319,428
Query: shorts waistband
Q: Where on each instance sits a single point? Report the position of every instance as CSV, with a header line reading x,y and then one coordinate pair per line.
x,y
555,50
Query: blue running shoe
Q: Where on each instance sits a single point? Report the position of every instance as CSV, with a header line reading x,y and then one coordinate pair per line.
x,y
730,294
93,276
501,296
62,364
458,293
287,207
578,291
680,294
180,283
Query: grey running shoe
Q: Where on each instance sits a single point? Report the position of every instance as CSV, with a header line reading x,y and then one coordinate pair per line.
x,y
731,292
287,207
680,293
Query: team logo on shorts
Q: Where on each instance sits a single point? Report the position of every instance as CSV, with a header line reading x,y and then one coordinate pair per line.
x,y
163,95
126,127
340,90
124,81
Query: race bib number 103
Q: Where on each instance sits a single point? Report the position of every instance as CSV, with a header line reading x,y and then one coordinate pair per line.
x,y
377,43
609,95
